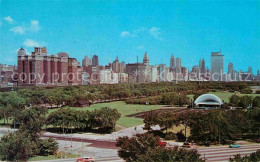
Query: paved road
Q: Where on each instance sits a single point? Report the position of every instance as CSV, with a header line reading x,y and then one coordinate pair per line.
x,y
94,143
223,153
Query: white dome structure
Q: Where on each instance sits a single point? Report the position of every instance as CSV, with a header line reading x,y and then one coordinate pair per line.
x,y
21,52
208,100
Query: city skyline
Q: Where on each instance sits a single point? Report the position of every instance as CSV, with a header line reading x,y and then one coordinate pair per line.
x,y
189,30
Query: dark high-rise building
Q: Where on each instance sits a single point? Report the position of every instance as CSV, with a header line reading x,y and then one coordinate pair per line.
x,y
217,65
95,61
250,70
230,68
178,65
172,62
203,69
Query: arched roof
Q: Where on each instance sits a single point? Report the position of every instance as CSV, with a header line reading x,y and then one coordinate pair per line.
x,y
209,99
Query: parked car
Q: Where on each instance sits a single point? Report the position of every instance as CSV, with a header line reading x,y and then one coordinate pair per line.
x,y
235,145
186,144
161,143
85,159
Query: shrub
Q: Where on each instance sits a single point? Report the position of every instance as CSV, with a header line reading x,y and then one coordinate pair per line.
x,y
48,147
246,91
171,136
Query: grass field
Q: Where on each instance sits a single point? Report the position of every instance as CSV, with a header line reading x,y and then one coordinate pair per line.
x,y
51,157
124,109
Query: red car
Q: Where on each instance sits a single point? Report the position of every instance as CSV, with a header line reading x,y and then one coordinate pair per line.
x,y
85,159
160,143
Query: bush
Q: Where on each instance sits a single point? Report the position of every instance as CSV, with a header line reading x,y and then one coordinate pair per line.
x,y
48,147
16,146
256,101
255,156
246,91
171,136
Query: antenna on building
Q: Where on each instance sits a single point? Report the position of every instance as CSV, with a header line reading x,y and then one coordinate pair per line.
x,y
220,46
137,59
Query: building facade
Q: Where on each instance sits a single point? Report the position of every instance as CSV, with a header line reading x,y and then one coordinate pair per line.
x,y
42,69
217,66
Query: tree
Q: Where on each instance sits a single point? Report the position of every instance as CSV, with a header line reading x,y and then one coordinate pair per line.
x,y
105,118
245,101
32,120
17,146
161,154
255,156
48,147
132,147
256,102
10,104
150,119
234,100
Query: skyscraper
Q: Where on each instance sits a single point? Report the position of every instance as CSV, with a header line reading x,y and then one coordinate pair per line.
x,y
178,65
95,61
250,70
146,60
203,68
217,65
230,68
172,62
86,61
200,64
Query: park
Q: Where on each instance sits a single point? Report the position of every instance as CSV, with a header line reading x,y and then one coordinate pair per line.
x,y
162,110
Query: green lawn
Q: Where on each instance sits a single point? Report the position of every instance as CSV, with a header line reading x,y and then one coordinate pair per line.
x,y
51,157
124,109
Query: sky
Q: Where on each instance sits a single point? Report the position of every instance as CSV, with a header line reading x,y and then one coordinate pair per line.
x,y
189,29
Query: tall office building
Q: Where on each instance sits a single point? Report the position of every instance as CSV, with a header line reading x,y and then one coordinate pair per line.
x,y
230,68
139,72
217,65
146,60
200,64
117,67
95,61
231,72
178,65
86,61
172,62
250,70
203,68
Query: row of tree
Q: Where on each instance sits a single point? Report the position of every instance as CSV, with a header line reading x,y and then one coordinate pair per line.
x,y
244,101
103,119
172,99
69,95
209,126
144,147
26,142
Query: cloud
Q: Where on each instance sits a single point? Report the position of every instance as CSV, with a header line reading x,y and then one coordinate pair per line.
x,y
140,47
155,32
35,27
127,34
9,19
18,29
31,43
